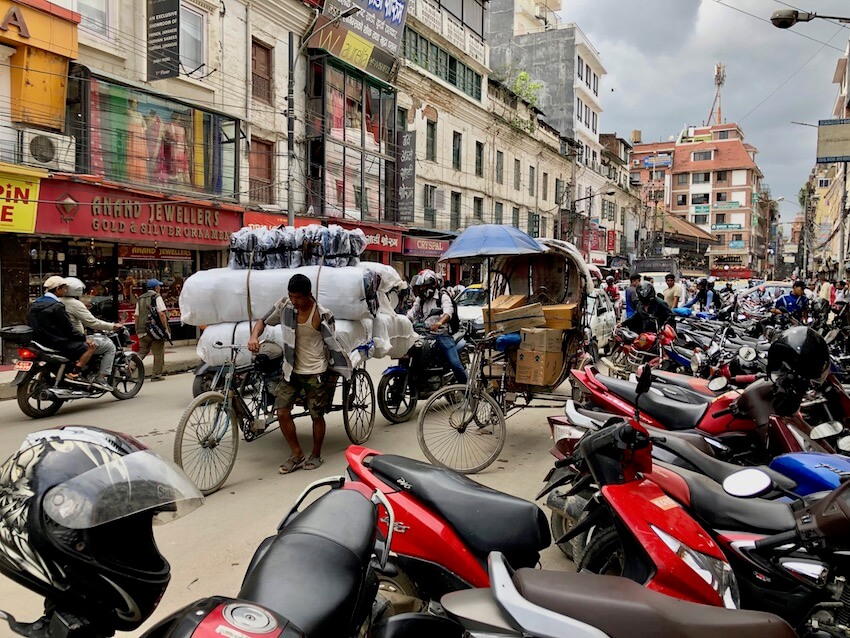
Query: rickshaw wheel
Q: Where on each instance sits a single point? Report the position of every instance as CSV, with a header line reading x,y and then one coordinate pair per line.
x,y
358,406
461,430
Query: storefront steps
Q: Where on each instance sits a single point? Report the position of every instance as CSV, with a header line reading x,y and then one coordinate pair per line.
x,y
178,358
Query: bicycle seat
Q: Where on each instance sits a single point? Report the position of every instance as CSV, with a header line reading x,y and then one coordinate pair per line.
x,y
486,520
710,502
313,571
620,607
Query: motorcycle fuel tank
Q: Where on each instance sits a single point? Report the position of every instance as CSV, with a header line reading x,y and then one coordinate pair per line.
x,y
813,471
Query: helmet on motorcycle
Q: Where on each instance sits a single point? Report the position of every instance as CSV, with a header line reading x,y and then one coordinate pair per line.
x,y
799,356
76,287
645,292
424,284
609,279
78,504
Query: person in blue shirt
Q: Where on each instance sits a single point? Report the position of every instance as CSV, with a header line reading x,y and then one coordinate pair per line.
x,y
704,296
631,295
795,303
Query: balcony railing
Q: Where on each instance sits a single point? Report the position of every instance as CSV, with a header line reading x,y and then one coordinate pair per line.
x,y
261,191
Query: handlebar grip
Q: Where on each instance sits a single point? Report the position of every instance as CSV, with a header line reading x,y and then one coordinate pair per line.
x,y
776,540
744,379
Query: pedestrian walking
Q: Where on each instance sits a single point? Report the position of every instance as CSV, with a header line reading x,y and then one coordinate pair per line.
x,y
152,337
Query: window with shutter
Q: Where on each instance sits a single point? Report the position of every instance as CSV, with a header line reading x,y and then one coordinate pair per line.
x,y
261,172
261,71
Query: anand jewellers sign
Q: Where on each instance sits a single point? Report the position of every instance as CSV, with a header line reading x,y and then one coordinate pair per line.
x,y
91,211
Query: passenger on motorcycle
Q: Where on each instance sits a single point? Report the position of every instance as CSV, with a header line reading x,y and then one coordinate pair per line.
x,y
52,326
704,296
81,319
427,297
794,304
651,314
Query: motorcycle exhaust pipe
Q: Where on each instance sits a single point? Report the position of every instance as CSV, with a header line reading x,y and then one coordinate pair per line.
x,y
64,394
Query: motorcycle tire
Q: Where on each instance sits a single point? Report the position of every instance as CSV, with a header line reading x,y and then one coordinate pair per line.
x,y
603,554
31,388
407,405
202,383
558,527
137,376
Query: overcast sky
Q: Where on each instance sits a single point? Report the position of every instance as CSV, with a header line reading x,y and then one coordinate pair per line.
x,y
660,57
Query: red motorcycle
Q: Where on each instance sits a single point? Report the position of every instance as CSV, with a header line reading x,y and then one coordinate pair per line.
x,y
631,350
746,422
446,524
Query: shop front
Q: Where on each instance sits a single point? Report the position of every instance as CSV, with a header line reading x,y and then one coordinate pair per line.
x,y
383,243
116,239
419,253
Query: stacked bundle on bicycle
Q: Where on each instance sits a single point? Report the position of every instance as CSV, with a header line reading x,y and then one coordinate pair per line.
x,y
362,297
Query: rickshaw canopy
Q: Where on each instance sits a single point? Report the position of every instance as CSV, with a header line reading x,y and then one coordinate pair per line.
x,y
492,240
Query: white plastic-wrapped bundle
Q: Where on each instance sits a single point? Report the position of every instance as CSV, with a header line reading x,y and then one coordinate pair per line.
x,y
266,248
390,287
393,335
220,295
349,334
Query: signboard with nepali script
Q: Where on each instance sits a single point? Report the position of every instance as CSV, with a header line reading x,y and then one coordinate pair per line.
x,y
369,39
378,239
18,202
90,210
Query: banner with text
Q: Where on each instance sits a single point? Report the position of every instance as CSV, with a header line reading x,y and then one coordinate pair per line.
x,y
163,39
18,203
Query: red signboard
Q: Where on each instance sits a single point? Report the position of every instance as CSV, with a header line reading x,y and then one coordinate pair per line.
x,y
160,254
424,246
733,273
256,219
612,241
377,238
90,210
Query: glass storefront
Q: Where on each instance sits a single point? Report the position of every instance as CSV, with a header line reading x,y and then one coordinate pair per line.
x,y
351,144
127,135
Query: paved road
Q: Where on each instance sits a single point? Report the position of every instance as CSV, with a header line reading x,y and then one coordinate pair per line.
x,y
210,549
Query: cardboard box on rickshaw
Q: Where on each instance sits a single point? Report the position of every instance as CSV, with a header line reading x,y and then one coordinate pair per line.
x,y
538,368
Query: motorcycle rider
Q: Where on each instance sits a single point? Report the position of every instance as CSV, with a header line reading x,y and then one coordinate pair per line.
x,y
794,304
427,297
52,327
652,313
82,318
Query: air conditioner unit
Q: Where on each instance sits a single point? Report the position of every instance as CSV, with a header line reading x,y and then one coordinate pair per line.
x,y
51,151
636,162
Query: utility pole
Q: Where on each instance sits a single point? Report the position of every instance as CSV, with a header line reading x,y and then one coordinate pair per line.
x,y
290,132
841,240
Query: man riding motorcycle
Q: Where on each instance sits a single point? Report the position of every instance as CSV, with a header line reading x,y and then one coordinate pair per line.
x,y
651,313
52,326
82,318
427,297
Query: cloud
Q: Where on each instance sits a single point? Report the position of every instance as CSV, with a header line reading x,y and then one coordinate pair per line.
x,y
660,57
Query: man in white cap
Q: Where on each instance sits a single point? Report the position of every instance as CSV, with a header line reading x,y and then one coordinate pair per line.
x,y
53,328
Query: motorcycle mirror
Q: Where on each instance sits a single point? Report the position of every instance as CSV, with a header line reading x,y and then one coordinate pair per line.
x,y
644,380
718,384
831,335
826,430
844,444
747,483
747,353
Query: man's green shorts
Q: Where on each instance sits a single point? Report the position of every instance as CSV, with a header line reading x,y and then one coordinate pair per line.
x,y
318,392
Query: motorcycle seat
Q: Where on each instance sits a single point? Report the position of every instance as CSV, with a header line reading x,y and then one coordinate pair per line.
x,y
621,607
672,413
712,467
486,520
312,572
627,335
710,502
49,354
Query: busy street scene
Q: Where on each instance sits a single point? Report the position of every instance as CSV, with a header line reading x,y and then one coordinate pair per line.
x,y
413,318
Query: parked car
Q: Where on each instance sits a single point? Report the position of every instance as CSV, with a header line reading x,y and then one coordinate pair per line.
x,y
470,305
601,318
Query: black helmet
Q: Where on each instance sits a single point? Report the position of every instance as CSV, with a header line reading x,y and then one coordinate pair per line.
x,y
645,292
800,351
702,282
77,507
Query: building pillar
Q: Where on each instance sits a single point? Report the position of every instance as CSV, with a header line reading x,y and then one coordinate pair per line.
x,y
14,286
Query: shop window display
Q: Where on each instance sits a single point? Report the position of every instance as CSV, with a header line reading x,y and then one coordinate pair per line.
x,y
128,135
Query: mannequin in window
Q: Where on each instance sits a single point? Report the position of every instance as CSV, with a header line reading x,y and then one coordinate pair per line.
x,y
137,169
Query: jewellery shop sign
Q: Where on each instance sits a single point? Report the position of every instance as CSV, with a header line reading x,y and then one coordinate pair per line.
x,y
88,211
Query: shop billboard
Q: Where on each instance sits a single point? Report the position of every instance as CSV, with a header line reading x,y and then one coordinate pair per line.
x,y
163,39
833,141
18,202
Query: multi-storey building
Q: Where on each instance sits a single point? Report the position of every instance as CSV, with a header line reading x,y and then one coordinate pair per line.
x,y
709,177
620,212
526,36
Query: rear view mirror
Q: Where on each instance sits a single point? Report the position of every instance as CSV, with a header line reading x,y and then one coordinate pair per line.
x,y
718,384
644,380
844,444
748,483
826,430
831,335
747,353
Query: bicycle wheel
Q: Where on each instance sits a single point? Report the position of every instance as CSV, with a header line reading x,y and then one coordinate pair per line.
x,y
461,429
358,406
206,441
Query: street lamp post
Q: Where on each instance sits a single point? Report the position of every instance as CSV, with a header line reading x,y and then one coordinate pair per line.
x,y
290,102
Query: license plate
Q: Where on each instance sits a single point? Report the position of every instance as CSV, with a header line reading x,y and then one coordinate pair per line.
x,y
23,366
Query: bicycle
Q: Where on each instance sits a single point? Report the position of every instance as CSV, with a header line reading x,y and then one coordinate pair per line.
x,y
207,437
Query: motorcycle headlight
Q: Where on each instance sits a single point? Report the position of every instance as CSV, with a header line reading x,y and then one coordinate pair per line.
x,y
717,573
697,360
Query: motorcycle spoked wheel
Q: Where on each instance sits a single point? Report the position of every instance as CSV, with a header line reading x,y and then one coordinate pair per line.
x,y
396,409
129,377
30,398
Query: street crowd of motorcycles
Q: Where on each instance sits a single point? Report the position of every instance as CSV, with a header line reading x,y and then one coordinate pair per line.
x,y
701,490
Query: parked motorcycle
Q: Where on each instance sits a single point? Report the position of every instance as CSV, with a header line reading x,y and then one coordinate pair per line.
x,y
418,374
631,350
42,385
